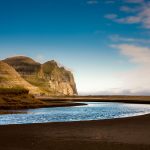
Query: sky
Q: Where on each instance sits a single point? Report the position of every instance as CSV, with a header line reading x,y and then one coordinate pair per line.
x,y
105,43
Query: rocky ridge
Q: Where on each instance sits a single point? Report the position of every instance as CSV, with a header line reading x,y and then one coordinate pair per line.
x,y
49,78
9,78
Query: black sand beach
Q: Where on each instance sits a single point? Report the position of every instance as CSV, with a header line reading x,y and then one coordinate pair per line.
x,y
117,134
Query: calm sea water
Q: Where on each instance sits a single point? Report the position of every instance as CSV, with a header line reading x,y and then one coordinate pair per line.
x,y
91,111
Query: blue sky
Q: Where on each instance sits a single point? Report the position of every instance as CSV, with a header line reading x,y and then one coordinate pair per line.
x,y
106,43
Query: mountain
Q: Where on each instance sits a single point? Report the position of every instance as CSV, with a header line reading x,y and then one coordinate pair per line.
x,y
9,78
49,78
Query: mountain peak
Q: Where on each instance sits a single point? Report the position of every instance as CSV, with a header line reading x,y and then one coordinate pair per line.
x,y
10,78
20,59
49,77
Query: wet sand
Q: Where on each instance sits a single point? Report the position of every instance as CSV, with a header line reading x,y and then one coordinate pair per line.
x,y
117,134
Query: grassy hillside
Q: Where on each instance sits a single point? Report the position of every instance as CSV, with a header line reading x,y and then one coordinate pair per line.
x,y
9,78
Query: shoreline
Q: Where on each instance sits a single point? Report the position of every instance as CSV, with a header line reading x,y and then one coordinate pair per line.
x,y
128,133
112,134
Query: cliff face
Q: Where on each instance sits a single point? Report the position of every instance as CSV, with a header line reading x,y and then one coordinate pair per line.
x,y
58,78
48,77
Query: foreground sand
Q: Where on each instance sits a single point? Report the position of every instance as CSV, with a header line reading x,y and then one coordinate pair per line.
x,y
118,134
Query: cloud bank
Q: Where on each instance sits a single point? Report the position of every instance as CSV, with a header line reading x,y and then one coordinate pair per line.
x,y
92,2
138,79
138,14
118,38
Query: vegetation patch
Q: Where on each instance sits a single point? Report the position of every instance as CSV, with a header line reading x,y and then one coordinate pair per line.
x,y
18,98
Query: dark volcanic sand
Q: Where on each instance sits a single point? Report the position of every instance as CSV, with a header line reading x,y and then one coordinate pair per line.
x,y
118,134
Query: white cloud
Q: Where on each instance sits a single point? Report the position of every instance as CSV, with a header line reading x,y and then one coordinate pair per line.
x,y
91,2
118,38
110,2
111,16
140,14
127,9
134,1
137,79
129,20
136,54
